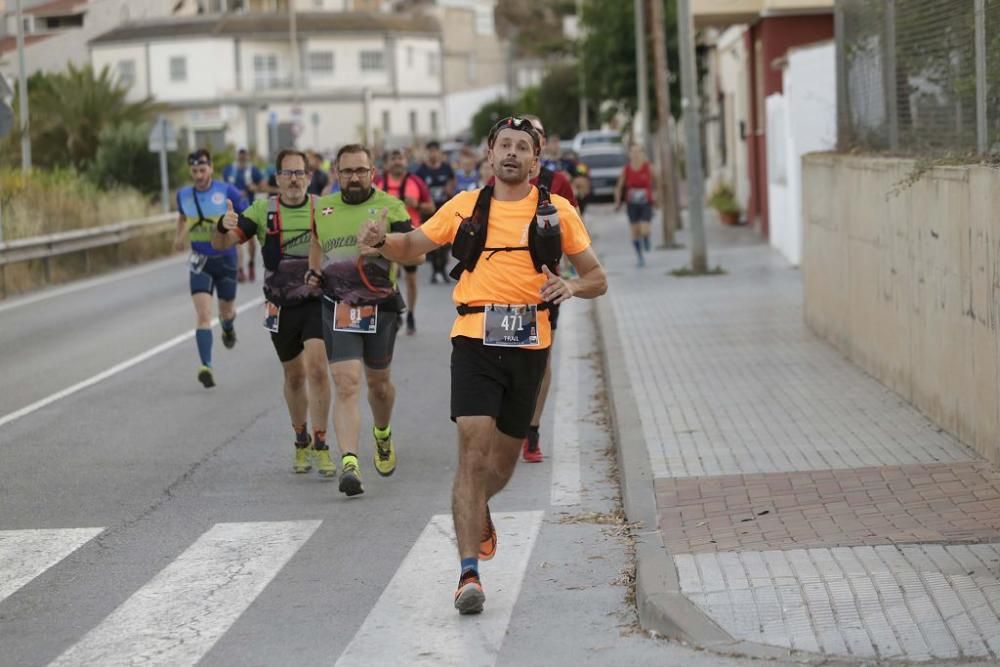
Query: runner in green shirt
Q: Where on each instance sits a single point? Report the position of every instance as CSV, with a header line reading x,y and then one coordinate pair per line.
x,y
283,226
361,308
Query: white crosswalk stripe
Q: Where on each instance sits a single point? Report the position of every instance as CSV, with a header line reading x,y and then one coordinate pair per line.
x,y
25,554
181,613
414,622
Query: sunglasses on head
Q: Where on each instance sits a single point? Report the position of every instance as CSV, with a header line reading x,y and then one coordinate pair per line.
x,y
514,123
195,159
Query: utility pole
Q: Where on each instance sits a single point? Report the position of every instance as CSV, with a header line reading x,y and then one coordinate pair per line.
x,y
22,92
692,134
641,78
669,207
294,39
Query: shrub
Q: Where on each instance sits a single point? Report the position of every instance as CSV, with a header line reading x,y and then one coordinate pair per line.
x,y
723,200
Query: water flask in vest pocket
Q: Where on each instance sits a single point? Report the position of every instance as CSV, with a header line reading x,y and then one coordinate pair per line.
x,y
544,237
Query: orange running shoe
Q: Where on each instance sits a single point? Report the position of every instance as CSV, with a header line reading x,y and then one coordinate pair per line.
x,y
488,542
469,597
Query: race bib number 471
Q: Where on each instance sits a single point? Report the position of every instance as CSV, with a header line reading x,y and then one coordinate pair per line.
x,y
355,319
510,326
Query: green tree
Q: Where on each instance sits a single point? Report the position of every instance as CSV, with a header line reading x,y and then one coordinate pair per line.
x,y
488,115
69,110
123,158
559,101
608,52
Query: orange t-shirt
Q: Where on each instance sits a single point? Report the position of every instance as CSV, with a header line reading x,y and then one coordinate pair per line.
x,y
507,278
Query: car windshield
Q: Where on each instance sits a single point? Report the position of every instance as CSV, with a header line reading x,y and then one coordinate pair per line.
x,y
600,139
604,160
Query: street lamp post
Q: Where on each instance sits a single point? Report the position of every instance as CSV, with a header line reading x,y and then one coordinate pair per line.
x,y
22,92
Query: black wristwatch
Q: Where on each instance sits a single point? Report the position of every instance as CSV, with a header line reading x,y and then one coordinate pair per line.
x,y
219,226
382,242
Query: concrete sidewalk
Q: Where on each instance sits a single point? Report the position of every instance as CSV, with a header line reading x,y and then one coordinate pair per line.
x,y
788,501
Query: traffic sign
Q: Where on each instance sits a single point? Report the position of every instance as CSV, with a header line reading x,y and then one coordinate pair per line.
x,y
6,119
162,136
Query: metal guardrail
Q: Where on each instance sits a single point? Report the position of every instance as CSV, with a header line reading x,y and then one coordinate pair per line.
x,y
51,245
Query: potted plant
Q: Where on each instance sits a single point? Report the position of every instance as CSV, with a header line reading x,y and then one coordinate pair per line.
x,y
723,200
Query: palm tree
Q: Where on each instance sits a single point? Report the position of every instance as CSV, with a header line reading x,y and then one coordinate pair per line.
x,y
68,111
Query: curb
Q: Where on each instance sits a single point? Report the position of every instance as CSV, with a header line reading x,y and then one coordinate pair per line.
x,y
661,605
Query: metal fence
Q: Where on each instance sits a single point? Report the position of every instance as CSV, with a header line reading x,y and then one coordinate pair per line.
x,y
919,77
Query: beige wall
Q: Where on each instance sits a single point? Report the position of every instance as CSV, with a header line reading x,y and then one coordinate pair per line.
x,y
904,278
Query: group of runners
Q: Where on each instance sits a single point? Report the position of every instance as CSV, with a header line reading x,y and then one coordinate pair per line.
x,y
331,264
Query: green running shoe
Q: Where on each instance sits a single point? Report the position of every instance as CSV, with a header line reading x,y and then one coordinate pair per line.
x,y
350,477
324,466
205,377
385,455
303,458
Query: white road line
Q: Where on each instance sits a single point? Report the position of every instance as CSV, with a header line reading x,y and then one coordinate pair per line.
x,y
114,370
25,554
414,622
182,612
43,295
565,431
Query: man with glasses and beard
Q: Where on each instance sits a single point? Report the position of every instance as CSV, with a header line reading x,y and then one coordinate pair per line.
x,y
361,308
283,226
200,207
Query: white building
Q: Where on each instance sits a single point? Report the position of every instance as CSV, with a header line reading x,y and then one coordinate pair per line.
x,y
57,31
231,78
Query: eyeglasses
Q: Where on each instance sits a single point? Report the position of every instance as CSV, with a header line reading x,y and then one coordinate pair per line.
x,y
290,173
360,172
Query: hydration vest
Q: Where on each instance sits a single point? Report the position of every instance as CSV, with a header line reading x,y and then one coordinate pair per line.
x,y
470,241
274,244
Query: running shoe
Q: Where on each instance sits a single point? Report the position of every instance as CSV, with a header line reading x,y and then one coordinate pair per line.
x,y
251,272
303,458
229,338
205,377
488,542
530,451
411,325
469,597
241,276
350,477
385,456
324,466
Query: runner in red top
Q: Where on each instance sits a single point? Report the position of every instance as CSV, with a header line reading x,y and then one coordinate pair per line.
x,y
412,190
635,189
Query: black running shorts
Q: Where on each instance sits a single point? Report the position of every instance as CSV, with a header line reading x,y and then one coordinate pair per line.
x,y
296,325
374,349
498,382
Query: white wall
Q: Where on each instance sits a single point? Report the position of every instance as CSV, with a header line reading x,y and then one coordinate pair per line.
x,y
806,119
113,54
347,62
211,69
417,77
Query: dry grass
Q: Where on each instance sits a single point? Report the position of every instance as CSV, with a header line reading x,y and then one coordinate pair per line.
x,y
44,202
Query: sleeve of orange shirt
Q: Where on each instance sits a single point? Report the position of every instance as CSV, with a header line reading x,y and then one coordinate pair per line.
x,y
443,225
575,238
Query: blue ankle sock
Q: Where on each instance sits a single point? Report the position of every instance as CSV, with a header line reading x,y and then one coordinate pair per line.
x,y
637,244
204,339
470,564
227,325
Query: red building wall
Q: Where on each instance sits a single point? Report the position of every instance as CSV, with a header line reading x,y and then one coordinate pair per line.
x,y
766,41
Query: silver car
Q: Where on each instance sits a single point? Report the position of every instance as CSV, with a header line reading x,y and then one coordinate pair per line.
x,y
604,166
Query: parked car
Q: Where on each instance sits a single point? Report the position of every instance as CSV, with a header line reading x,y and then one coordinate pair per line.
x,y
604,164
595,138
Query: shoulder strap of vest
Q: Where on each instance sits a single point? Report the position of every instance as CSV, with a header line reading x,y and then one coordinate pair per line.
x,y
483,204
545,177
201,216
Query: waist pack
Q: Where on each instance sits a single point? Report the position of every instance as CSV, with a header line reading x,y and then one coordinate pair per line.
x,y
284,276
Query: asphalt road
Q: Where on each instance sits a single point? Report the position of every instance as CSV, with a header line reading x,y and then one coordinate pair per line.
x,y
205,547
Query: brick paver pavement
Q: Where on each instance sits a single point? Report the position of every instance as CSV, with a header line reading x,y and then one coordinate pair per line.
x,y
804,504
